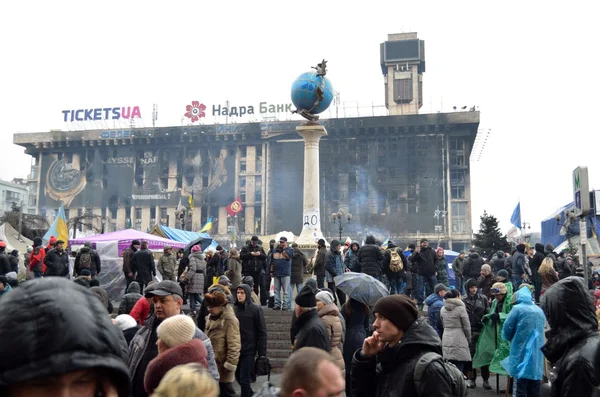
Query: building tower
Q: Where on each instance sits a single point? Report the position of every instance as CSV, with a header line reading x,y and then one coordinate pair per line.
x,y
403,65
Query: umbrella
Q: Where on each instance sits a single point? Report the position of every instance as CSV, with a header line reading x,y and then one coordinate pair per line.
x,y
361,287
202,241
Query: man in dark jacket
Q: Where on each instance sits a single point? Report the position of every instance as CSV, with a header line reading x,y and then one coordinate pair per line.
x,y
82,348
127,257
386,363
472,265
299,263
130,298
424,259
4,262
319,264
573,340
518,266
87,258
57,261
351,258
457,266
477,306
13,258
142,264
253,333
370,258
334,266
396,276
311,330
497,261
534,264
549,251
412,274
253,264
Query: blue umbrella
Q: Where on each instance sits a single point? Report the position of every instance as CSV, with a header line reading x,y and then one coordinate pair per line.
x,y
361,287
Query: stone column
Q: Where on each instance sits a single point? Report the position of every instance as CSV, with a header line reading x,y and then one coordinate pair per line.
x,y
311,217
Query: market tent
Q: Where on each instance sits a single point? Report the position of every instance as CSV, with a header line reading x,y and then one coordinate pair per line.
x,y
11,237
123,238
176,234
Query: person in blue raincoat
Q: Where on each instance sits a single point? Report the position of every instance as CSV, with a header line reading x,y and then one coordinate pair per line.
x,y
524,328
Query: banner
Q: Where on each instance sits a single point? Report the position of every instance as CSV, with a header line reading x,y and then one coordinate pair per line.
x,y
235,208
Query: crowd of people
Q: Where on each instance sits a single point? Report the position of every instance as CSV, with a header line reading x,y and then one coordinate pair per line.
x,y
526,314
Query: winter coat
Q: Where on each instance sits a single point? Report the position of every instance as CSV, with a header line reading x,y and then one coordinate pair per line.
x,y
387,258
224,333
141,310
127,256
357,328
142,263
573,341
537,259
485,284
319,267
311,332
477,306
141,343
193,351
457,265
36,260
280,265
457,330
441,266
329,315
524,329
370,258
334,264
488,353
251,263
213,268
253,329
518,263
299,263
57,263
167,266
549,252
351,258
472,265
95,265
14,261
391,372
563,268
434,304
4,263
196,272
234,271
130,298
65,329
424,261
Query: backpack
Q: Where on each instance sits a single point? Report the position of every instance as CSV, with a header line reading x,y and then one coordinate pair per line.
x,y
396,264
458,380
85,260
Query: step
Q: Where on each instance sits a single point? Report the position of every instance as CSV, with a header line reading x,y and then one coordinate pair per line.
x,y
279,353
279,344
278,319
279,327
278,335
277,364
277,313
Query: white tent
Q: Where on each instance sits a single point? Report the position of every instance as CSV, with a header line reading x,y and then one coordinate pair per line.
x,y
11,237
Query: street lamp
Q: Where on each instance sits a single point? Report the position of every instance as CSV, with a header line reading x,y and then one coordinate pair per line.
x,y
339,217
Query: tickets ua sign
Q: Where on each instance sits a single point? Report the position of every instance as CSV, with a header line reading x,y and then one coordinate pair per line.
x,y
114,113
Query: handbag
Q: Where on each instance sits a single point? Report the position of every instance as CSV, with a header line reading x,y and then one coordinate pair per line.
x,y
183,279
262,367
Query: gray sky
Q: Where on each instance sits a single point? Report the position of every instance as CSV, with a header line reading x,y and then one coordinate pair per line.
x,y
531,67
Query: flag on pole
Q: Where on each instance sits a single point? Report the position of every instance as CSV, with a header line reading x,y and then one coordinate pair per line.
x,y
58,227
191,200
234,208
515,219
207,226
180,206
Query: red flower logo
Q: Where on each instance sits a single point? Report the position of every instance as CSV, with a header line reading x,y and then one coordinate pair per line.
x,y
195,111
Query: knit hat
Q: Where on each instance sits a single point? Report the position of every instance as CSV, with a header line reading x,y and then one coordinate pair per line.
x,y
176,330
471,283
224,280
216,299
399,309
125,321
196,248
306,297
135,242
325,297
312,283
249,280
503,273
85,272
254,238
321,242
439,287
498,288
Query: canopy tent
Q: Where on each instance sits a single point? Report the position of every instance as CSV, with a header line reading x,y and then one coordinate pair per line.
x,y
289,235
551,228
11,237
171,233
123,238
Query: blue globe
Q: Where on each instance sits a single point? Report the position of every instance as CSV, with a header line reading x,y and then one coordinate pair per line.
x,y
304,92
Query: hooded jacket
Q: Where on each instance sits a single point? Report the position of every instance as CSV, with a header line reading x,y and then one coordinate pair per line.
x,y
251,263
299,263
351,258
42,336
370,258
549,251
391,372
497,262
130,298
13,259
434,304
387,257
472,265
253,329
334,264
234,270
311,331
524,328
537,259
329,314
95,262
224,333
573,340
457,330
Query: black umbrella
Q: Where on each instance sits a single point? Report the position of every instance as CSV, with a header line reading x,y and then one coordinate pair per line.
x,y
203,242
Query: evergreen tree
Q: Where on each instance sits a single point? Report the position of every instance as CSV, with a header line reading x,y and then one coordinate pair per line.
x,y
490,239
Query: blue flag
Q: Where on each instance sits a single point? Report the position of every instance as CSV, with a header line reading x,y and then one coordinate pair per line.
x,y
515,219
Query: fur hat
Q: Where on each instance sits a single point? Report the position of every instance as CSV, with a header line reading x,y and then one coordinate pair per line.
x,y
249,280
306,297
125,321
439,287
176,330
216,299
324,296
498,288
224,280
399,309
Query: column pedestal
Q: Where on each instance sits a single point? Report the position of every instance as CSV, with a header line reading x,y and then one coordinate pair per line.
x,y
311,217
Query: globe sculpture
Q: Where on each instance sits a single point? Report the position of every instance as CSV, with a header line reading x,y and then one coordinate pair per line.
x,y
312,92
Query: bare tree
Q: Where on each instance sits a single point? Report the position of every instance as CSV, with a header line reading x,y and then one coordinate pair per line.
x,y
88,221
31,225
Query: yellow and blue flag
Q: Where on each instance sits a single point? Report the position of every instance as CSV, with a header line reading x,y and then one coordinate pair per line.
x,y
191,200
58,228
207,226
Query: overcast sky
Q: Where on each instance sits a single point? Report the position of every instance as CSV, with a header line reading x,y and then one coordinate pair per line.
x,y
531,67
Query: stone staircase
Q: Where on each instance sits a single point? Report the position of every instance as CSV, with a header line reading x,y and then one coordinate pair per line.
x,y
279,346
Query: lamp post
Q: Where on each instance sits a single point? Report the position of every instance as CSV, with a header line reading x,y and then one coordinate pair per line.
x,y
525,226
339,217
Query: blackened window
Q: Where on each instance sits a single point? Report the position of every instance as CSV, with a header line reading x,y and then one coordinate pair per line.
x,y
403,92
